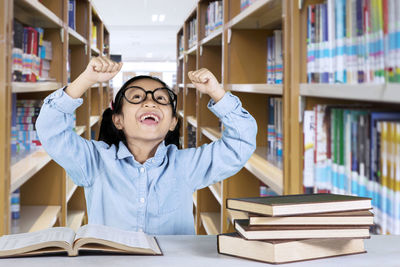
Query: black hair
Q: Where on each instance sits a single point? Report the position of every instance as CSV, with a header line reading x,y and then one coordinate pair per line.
x,y
111,135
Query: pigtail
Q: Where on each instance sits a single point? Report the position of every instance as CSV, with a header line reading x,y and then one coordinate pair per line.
x,y
108,132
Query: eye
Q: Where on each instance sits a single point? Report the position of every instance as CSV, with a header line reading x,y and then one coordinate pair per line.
x,y
160,97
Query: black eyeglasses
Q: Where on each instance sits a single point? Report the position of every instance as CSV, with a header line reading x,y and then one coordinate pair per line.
x,y
162,96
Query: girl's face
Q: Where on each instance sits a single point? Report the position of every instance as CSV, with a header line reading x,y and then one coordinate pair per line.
x,y
146,121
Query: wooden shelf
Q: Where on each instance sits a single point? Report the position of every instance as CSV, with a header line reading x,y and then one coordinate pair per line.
x,y
35,218
192,120
363,92
105,84
262,88
75,218
181,85
267,171
195,198
215,38
80,130
191,86
25,165
192,50
236,215
211,222
27,87
181,57
94,120
262,14
35,14
75,38
212,133
217,192
95,51
71,187
180,113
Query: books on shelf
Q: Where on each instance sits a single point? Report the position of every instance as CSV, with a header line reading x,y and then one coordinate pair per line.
x,y
304,227
298,204
353,42
213,17
31,54
356,152
192,32
275,58
285,251
25,117
58,240
94,35
275,128
180,45
72,14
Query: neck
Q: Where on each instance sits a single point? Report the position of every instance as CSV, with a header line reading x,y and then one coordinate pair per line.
x,y
143,150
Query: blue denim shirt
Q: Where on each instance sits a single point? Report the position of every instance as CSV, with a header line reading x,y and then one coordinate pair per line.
x,y
156,196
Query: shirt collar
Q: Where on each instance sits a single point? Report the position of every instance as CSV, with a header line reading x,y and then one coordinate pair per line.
x,y
123,152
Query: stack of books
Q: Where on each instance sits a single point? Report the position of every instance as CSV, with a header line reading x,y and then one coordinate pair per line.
x,y
282,229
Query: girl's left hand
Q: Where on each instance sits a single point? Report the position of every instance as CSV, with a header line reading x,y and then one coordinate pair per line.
x,y
206,83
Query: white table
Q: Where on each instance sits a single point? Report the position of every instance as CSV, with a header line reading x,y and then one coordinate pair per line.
x,y
193,251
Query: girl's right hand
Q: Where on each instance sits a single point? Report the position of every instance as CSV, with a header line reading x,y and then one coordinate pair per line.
x,y
101,69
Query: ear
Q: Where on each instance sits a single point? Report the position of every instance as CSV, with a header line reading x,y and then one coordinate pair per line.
x,y
117,120
174,121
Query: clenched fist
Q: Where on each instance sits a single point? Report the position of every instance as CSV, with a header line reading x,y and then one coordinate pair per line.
x,y
101,69
206,83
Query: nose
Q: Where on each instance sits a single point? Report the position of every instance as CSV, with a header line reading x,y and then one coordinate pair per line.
x,y
149,102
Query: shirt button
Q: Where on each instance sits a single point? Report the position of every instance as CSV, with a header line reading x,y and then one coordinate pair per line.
x,y
142,199
142,170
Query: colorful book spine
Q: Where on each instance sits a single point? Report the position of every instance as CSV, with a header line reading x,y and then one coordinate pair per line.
x,y
308,168
271,136
278,66
72,14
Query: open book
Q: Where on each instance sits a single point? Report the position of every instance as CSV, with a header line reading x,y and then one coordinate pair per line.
x,y
88,237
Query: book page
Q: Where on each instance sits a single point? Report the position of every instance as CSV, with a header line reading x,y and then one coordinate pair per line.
x,y
128,238
17,241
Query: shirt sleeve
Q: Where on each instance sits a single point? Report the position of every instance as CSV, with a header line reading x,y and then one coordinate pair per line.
x,y
211,163
54,127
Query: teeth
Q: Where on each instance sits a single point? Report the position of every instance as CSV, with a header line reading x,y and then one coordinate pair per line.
x,y
150,116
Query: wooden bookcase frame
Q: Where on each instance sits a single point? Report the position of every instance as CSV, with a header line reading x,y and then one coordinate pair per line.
x,y
236,54
48,196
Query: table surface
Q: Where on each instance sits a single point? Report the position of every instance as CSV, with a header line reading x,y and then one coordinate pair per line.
x,y
195,251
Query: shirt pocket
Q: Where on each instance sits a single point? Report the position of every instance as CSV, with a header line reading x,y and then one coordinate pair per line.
x,y
167,191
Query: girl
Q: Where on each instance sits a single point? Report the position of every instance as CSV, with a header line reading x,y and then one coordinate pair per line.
x,y
132,177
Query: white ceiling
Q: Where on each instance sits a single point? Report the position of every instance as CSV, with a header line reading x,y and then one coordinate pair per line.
x,y
133,33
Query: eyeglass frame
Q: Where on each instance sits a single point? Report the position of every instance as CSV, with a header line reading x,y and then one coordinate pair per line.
x,y
173,101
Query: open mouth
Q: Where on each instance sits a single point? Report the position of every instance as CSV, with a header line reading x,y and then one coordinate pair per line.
x,y
149,119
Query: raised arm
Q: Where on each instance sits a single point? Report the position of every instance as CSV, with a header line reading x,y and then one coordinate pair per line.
x,y
223,158
75,154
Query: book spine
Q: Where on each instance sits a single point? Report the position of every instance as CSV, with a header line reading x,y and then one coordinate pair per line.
x,y
308,133
271,126
396,206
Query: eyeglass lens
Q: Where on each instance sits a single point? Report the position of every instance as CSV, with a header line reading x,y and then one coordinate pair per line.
x,y
137,95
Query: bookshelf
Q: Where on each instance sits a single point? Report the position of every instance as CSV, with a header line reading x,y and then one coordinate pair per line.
x,y
236,53
47,196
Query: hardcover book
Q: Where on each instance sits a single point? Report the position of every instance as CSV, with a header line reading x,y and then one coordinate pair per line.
x,y
88,238
299,204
